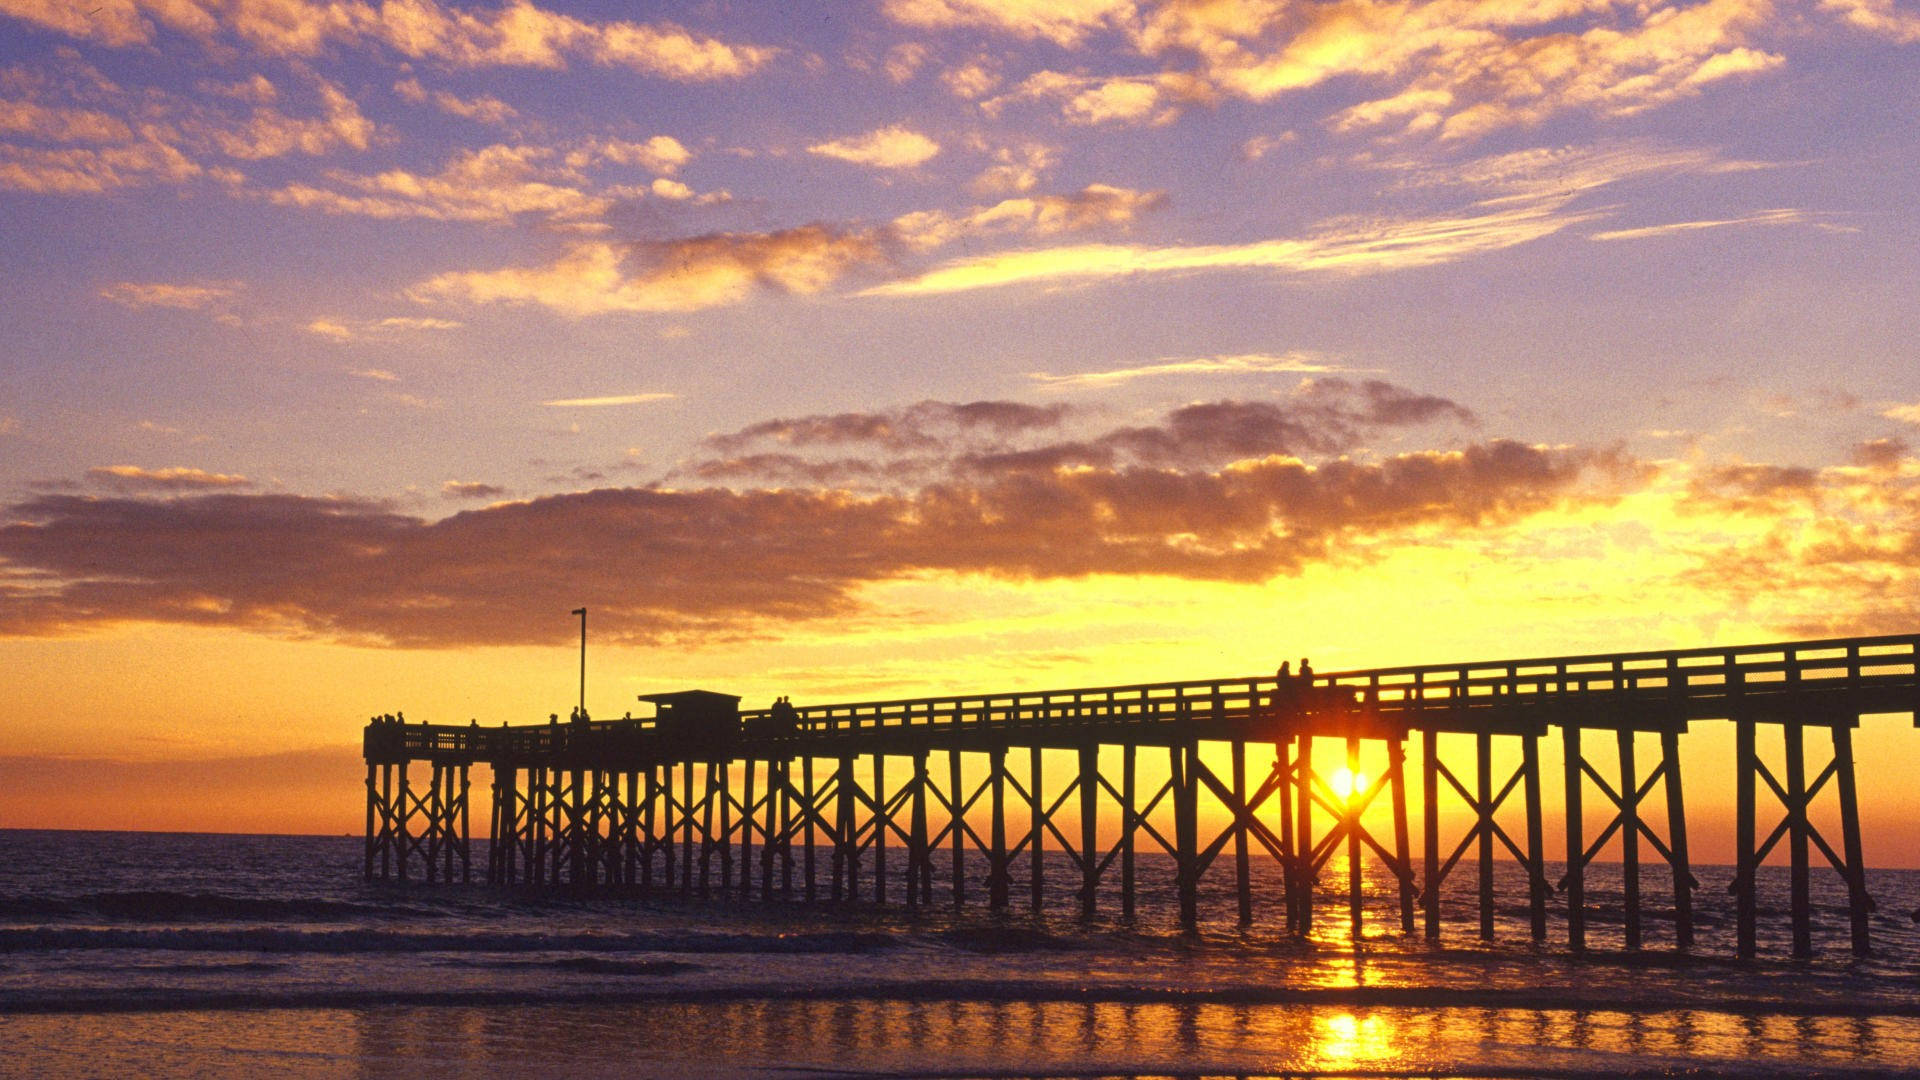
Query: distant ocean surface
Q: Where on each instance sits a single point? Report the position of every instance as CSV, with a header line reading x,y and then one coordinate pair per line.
x,y
141,954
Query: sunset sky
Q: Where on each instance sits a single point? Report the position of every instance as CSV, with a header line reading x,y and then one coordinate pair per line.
x,y
904,347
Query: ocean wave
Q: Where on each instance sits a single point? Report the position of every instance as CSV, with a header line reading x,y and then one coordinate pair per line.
x,y
165,906
356,941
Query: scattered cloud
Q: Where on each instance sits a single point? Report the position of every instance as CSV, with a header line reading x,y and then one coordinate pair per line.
x,y
893,147
484,109
614,399
661,153
516,34
670,276
1067,23
9,425
344,331
180,295
133,478
1906,414
1016,169
1047,215
374,374
1880,17
492,185
904,59
1243,364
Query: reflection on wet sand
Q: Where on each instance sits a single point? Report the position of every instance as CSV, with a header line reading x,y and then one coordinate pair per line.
x,y
891,1037
771,1036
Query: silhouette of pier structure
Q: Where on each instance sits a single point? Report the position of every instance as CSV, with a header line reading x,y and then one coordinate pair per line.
x,y
705,799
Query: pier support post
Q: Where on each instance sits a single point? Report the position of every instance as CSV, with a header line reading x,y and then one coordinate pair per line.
x,y
1536,840
1129,822
919,861
958,806
1242,870
1483,763
1575,884
1859,905
1089,820
1746,900
1430,829
1397,780
997,858
1355,922
1629,839
1037,832
1303,792
1679,858
1183,757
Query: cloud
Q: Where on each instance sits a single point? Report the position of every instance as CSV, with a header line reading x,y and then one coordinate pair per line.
x,y
904,59
61,124
615,399
492,185
921,426
1906,414
9,425
1760,217
1243,364
661,153
517,34
76,170
179,295
679,275
1066,23
661,562
375,374
471,489
1346,247
485,109
1877,17
1046,215
893,147
133,478
344,331
1825,552
267,132
1016,169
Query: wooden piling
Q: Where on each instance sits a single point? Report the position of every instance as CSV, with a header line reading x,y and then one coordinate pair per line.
x,y
1430,831
1536,839
1037,820
1089,822
1575,885
1859,905
1745,885
1182,757
1303,825
957,802
1678,856
1483,824
1355,921
1129,823
1629,839
1800,897
1242,870
1397,785
997,857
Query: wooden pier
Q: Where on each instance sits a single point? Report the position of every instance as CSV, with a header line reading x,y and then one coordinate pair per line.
x,y
707,800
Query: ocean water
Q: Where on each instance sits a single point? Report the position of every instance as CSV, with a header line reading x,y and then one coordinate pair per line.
x,y
191,955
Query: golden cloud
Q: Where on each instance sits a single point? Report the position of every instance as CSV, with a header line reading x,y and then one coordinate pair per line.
x,y
892,147
680,275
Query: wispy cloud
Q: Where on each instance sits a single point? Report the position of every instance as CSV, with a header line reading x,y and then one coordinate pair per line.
x,y
1763,217
176,478
345,330
612,399
471,489
484,109
1243,364
1356,247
